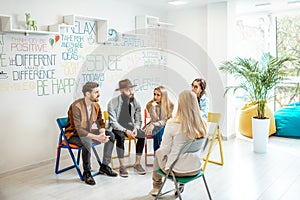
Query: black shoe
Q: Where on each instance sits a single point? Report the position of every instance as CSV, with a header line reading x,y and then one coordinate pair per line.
x,y
181,188
104,169
88,178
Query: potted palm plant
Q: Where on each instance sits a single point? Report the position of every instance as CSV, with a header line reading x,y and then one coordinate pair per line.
x,y
257,78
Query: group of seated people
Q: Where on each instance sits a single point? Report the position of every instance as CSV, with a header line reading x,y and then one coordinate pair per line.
x,y
85,125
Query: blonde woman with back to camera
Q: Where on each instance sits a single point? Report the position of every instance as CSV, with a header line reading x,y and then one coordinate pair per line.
x,y
185,126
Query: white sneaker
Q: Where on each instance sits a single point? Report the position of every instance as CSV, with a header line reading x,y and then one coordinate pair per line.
x,y
154,191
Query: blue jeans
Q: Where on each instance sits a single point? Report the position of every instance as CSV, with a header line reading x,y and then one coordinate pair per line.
x,y
157,134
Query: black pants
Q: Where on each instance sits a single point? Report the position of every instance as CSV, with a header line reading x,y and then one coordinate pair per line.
x,y
120,137
86,144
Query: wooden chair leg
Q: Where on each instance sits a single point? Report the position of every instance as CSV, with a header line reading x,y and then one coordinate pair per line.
x,y
208,154
206,159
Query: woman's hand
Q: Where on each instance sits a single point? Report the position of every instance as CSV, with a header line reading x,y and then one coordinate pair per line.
x,y
149,129
154,103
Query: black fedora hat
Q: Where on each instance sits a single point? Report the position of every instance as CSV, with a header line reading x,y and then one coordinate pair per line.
x,y
125,84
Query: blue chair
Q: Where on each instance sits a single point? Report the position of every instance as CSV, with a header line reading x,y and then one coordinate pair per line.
x,y
288,121
192,146
64,144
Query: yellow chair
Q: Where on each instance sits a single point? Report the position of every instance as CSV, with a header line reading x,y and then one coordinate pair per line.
x,y
248,111
214,137
106,119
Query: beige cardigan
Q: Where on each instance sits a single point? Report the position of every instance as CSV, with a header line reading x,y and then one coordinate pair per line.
x,y
171,144
78,123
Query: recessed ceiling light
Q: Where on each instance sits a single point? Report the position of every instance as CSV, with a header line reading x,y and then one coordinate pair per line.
x,y
177,3
262,4
291,1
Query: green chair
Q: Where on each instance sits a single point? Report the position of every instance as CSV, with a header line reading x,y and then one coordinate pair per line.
x,y
192,146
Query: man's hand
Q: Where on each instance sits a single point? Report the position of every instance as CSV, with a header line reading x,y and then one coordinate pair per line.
x,y
134,132
130,134
102,138
102,130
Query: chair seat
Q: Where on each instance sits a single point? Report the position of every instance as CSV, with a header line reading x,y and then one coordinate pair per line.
x,y
64,145
149,136
74,146
184,179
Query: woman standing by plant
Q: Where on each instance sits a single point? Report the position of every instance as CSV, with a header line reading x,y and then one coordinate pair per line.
x,y
198,87
160,109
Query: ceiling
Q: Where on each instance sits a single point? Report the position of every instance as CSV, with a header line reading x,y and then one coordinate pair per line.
x,y
242,6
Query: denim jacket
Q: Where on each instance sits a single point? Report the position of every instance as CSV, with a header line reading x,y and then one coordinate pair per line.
x,y
114,108
203,102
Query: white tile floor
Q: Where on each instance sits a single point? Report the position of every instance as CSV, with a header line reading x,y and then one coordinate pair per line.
x,y
245,175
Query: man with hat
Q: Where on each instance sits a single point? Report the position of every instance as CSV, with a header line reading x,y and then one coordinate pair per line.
x,y
125,120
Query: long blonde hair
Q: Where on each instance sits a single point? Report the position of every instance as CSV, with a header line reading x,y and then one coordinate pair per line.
x,y
188,115
166,105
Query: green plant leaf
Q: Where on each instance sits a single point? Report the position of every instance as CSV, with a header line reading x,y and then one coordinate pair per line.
x,y
257,77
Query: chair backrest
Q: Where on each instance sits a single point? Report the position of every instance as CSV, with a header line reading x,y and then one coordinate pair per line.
x,y
105,117
192,146
62,122
147,117
213,120
214,117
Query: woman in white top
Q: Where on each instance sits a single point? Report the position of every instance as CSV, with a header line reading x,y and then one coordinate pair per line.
x,y
186,125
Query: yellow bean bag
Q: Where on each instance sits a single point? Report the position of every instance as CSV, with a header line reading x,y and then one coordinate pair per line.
x,y
245,122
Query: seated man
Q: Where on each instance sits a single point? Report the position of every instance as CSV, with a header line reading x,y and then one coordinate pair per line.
x,y
125,119
85,124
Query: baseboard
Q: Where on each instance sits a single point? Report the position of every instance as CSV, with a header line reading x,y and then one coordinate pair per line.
x,y
225,138
25,168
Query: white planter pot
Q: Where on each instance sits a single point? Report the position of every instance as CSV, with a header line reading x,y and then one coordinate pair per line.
x,y
260,133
